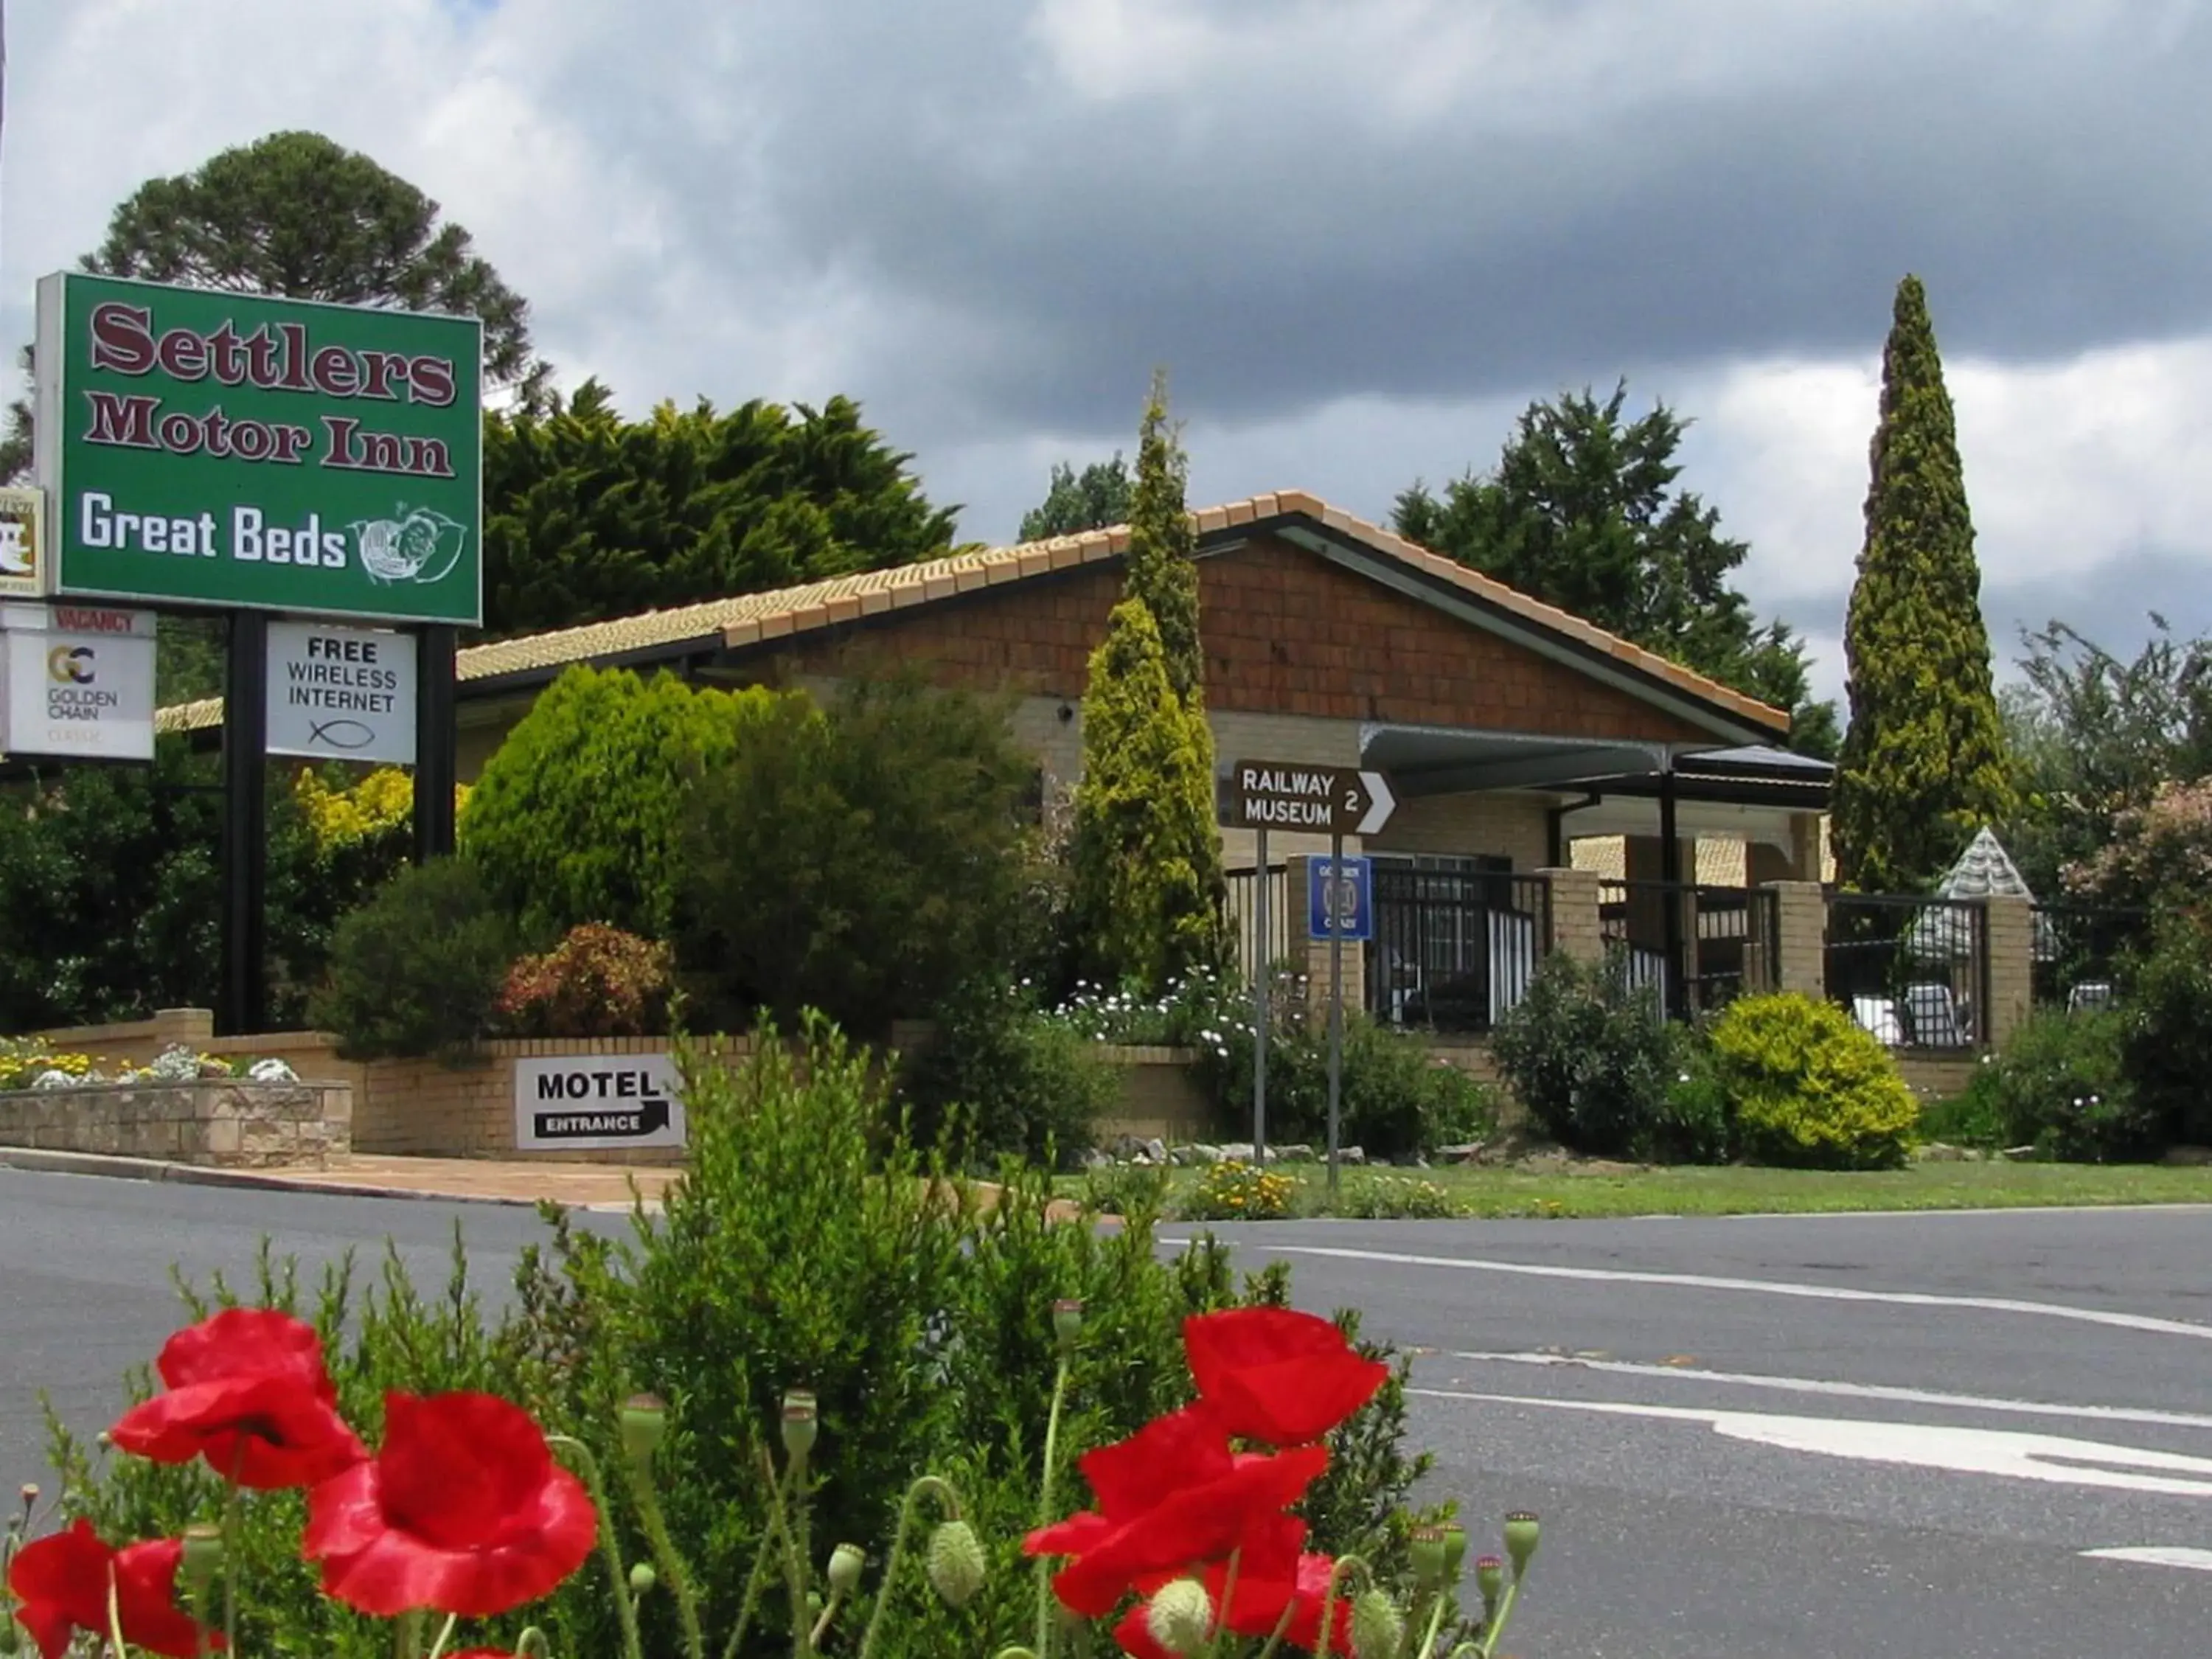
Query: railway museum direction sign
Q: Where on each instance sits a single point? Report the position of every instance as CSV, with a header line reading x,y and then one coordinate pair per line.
x,y
1319,800
226,450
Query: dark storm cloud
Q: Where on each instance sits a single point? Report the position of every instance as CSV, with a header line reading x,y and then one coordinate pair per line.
x,y
1283,227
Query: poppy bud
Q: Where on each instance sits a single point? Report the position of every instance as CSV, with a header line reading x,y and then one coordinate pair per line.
x,y
1067,1324
30,1493
1377,1627
644,1421
202,1559
1454,1549
1428,1551
798,1424
8,1640
956,1562
1519,1539
1490,1579
642,1578
1181,1616
845,1563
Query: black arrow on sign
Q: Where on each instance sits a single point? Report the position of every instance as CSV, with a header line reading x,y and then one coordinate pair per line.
x,y
652,1116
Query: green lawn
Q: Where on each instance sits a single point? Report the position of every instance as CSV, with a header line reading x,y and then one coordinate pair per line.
x,y
1611,1191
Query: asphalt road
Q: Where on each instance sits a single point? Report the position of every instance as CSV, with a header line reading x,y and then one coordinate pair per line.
x,y
1749,1438
1765,1438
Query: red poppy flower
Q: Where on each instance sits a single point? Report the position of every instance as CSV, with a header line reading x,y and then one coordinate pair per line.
x,y
61,1582
1278,1376
1170,1495
248,1392
463,1510
1272,1574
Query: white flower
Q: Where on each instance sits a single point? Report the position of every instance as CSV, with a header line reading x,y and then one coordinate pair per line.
x,y
175,1064
51,1078
271,1071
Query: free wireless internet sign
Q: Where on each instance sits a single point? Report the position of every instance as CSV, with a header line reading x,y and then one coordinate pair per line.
x,y
597,1101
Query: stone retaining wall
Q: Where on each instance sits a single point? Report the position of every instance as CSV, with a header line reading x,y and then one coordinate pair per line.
x,y
231,1124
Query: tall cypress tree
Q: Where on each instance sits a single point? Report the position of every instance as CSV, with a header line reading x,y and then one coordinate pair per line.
x,y
1146,900
1923,761
1163,545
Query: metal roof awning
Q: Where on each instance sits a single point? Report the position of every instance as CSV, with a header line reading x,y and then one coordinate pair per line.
x,y
1424,760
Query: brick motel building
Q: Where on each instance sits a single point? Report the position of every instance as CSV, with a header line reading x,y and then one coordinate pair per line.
x,y
1508,731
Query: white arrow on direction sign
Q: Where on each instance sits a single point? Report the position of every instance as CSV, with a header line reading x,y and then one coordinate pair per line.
x,y
1381,803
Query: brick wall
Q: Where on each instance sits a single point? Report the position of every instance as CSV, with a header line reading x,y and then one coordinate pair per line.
x,y
1286,632
224,1123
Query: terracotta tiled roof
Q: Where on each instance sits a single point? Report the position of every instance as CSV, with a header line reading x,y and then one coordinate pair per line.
x,y
752,618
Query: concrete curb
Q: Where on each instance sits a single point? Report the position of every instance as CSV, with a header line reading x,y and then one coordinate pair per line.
x,y
195,1174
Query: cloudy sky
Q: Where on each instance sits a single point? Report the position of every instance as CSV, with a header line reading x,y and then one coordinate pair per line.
x,y
1361,234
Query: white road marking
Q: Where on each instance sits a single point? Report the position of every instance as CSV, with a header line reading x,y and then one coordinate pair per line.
x,y
2157,1555
2126,1321
1853,1390
2050,1458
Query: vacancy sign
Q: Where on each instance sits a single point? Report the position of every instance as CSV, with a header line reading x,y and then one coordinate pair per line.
x,y
597,1103
341,693
76,680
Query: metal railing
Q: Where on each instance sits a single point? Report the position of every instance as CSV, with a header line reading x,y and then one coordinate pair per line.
x,y
1454,949
1724,941
1243,912
1914,971
2077,951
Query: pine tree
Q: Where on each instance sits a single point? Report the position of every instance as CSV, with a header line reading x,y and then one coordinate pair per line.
x,y
1164,546
1924,761
1146,894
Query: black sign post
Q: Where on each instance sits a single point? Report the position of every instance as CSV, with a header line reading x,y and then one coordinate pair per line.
x,y
243,995
436,770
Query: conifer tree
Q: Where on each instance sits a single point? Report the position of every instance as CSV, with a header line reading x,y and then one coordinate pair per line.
x,y
1163,545
1146,900
1923,760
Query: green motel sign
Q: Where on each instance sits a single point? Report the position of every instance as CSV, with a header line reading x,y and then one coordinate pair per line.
x,y
203,449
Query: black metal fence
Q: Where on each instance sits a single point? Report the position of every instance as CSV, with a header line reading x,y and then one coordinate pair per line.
x,y
2078,948
1243,916
1724,941
1913,971
1453,949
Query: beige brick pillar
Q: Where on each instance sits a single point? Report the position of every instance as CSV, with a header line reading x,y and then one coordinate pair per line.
x,y
1294,933
1801,931
1573,909
2008,936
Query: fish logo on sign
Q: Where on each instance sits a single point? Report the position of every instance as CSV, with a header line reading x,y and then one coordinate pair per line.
x,y
417,545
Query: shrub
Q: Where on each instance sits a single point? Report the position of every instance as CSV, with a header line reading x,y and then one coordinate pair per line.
x,y
416,970
1806,1086
1127,1189
1590,1058
2167,1048
575,818
2058,1085
864,861
598,982
1380,1197
1694,1123
1235,1191
1972,1117
998,1077
1395,1099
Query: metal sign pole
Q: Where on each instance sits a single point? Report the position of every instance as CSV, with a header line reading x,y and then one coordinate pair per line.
x,y
1259,1029
243,995
435,739
1337,922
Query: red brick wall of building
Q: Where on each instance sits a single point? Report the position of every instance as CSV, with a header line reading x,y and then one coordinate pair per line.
x,y
1286,632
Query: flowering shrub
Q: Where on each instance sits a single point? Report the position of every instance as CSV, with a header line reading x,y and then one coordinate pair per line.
x,y
599,981
2058,1085
468,1509
26,1063
1233,1191
1196,1010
